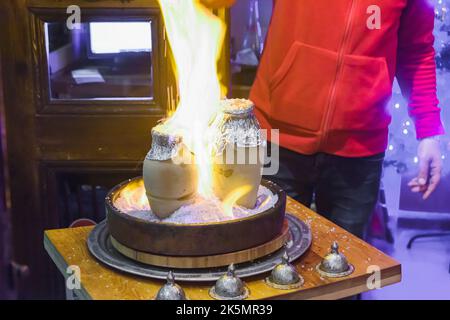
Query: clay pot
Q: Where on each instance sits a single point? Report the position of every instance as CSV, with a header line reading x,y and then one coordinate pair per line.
x,y
169,182
239,151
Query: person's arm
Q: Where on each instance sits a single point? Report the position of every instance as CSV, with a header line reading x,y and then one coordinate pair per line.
x,y
215,4
416,74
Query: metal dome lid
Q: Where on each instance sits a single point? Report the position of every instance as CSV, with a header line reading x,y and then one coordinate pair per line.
x,y
284,275
170,291
334,264
229,287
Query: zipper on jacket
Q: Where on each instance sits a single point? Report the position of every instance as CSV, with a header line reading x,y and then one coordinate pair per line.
x,y
342,49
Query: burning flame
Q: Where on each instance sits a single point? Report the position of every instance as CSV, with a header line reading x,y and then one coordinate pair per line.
x,y
231,199
133,197
196,37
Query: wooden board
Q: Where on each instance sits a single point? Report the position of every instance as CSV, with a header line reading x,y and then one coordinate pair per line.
x,y
205,261
68,247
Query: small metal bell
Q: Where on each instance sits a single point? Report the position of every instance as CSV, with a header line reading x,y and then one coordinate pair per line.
x,y
284,276
335,264
229,287
171,291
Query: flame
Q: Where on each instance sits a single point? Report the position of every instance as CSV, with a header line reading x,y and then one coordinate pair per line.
x,y
231,199
133,197
196,37
264,202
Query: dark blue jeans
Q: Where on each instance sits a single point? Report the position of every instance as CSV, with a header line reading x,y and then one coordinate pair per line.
x,y
345,190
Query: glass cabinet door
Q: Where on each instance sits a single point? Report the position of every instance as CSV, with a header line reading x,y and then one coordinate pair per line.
x,y
104,60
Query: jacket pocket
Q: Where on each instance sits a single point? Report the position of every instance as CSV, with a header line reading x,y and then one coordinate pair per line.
x,y
300,87
362,94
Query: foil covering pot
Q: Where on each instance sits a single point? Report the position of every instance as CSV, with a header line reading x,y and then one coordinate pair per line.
x,y
238,126
164,146
284,276
229,287
238,153
170,291
170,181
334,264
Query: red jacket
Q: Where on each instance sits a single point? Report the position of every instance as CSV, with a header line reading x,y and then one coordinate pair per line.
x,y
326,73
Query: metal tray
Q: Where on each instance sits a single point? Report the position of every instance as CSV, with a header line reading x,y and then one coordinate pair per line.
x,y
100,246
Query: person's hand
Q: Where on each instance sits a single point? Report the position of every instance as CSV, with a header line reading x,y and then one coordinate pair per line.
x,y
430,167
216,4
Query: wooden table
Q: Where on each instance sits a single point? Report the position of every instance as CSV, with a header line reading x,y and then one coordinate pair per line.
x,y
68,247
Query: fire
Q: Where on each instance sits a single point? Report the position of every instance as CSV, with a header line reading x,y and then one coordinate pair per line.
x,y
196,37
231,199
133,197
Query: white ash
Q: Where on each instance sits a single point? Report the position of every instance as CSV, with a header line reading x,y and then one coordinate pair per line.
x,y
209,210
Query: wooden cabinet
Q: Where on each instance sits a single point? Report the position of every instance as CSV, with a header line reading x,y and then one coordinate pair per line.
x,y
65,150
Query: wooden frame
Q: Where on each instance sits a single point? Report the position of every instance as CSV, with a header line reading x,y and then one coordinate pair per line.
x,y
46,105
165,92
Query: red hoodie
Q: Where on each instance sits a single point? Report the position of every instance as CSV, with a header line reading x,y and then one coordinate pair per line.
x,y
326,74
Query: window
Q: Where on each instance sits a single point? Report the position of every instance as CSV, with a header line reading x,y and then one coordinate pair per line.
x,y
100,61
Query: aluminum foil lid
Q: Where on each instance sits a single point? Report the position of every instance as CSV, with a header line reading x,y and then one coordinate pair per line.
x,y
237,107
164,146
237,125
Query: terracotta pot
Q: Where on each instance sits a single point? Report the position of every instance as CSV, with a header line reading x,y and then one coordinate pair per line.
x,y
169,183
238,152
228,177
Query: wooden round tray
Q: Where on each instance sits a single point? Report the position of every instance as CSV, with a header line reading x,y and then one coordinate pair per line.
x,y
193,240
212,261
